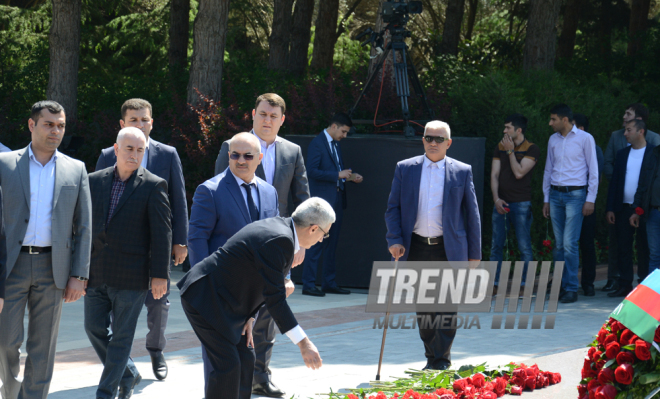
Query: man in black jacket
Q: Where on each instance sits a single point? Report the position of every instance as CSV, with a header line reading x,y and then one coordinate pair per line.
x,y
222,293
131,246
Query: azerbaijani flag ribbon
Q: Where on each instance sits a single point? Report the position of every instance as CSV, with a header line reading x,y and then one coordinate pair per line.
x,y
640,311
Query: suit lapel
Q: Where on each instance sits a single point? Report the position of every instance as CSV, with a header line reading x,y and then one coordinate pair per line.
x,y
260,172
416,171
449,173
327,147
154,149
261,200
131,185
23,166
106,192
59,179
235,191
279,159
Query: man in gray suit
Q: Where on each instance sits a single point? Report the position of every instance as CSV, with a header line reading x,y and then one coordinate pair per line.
x,y
163,161
48,219
132,243
282,167
618,142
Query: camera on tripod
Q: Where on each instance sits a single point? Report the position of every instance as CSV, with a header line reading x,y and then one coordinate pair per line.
x,y
398,12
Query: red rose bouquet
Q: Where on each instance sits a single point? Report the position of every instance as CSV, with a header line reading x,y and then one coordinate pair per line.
x,y
466,383
619,364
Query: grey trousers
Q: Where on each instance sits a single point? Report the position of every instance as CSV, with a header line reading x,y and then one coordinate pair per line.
x,y
29,283
158,311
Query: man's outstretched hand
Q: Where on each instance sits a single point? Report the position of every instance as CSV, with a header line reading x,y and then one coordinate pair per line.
x,y
310,354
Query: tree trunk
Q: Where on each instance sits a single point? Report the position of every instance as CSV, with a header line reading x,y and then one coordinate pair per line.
x,y
472,18
301,32
572,14
325,35
604,40
179,25
639,17
278,42
210,34
541,41
451,34
64,41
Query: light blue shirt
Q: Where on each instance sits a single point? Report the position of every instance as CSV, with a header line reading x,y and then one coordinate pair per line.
x,y
145,157
4,148
42,186
431,193
254,191
268,162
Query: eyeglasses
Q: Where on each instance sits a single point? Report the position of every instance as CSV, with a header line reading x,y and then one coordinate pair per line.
x,y
437,139
326,235
236,156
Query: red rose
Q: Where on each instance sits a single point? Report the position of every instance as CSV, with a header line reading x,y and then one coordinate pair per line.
x,y
642,350
612,349
557,378
507,210
460,385
478,380
606,375
516,390
499,386
591,352
593,384
625,358
488,395
628,337
608,339
582,390
588,373
657,335
547,243
617,326
506,377
606,392
448,396
598,358
639,211
489,386
624,374
530,383
519,373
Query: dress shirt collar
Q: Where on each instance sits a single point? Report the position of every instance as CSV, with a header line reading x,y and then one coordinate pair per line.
x,y
263,142
296,245
573,130
328,137
32,157
241,181
146,147
428,162
116,174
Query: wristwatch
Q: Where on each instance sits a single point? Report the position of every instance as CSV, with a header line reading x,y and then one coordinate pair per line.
x,y
182,246
80,278
508,152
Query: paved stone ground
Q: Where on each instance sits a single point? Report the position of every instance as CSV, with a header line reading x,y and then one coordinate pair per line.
x,y
349,346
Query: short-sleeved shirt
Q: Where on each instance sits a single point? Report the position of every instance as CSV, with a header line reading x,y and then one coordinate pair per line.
x,y
510,188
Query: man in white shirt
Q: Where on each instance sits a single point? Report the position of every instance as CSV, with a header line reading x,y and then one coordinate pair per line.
x,y
571,167
620,199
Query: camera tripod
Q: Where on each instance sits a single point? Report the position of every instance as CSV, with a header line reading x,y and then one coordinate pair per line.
x,y
404,72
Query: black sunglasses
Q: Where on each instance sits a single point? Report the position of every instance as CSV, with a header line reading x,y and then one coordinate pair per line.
x,y
236,156
438,139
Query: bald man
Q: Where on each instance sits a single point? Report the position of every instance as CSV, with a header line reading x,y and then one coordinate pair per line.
x,y
225,204
131,247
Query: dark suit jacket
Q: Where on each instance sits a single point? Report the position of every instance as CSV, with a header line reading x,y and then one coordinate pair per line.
x,y
137,242
219,211
647,177
163,162
461,223
3,251
230,285
322,169
618,142
290,175
618,181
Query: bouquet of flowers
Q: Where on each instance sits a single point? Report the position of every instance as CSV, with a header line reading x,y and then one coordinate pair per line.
x,y
468,383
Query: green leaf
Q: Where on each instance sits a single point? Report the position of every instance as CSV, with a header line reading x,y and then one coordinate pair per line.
x,y
649,378
609,363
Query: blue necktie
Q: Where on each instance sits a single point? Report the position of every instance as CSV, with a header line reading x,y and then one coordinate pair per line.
x,y
340,182
252,208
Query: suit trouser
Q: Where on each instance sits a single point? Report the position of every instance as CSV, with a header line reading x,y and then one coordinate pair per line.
x,y
233,364
112,347
329,246
588,249
29,283
437,341
625,238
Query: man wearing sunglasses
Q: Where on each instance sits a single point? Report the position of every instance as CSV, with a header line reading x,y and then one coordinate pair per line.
x,y
327,179
432,215
228,202
283,167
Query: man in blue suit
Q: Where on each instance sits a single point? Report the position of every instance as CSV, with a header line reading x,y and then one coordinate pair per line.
x,y
223,205
620,198
327,179
432,215
163,161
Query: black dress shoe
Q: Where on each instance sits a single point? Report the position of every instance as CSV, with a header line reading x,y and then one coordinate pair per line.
x,y
612,285
569,297
267,389
159,365
443,366
589,290
313,292
336,290
621,292
127,392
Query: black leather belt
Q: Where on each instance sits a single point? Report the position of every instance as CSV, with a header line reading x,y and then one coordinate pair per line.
x,y
35,250
427,240
567,189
